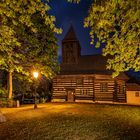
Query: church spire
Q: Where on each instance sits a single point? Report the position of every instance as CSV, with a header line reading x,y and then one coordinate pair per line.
x,y
70,36
70,48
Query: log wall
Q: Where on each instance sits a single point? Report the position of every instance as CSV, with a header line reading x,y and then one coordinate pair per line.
x,y
120,91
89,88
105,95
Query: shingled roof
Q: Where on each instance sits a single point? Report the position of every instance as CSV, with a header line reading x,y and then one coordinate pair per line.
x,y
89,64
132,87
86,64
70,36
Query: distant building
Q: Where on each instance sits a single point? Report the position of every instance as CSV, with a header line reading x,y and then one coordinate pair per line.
x,y
85,78
133,93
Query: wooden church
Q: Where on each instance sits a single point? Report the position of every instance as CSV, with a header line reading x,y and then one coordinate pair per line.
x,y
85,78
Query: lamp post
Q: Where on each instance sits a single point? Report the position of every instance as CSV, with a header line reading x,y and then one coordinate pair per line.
x,y
35,74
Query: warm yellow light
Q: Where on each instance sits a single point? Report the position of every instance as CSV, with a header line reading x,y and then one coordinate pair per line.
x,y
35,74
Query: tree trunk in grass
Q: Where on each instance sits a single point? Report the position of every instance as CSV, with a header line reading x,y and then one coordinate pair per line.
x,y
10,85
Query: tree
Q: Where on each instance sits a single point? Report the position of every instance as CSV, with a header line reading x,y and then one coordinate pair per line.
x,y
75,1
116,23
27,38
8,58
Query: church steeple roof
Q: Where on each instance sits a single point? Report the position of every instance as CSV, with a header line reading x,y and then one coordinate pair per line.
x,y
70,36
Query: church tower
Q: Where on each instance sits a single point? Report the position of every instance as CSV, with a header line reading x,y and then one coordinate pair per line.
x,y
70,48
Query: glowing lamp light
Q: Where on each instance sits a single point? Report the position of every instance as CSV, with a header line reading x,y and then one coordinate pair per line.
x,y
35,74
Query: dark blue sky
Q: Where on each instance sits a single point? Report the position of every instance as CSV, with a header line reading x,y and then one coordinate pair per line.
x,y
69,13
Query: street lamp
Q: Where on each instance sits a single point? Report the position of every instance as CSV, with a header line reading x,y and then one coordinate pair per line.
x,y
35,74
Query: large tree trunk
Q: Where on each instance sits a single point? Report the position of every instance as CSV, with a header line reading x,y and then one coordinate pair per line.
x,y
10,85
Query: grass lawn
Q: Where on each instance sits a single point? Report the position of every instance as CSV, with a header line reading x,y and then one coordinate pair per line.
x,y
65,121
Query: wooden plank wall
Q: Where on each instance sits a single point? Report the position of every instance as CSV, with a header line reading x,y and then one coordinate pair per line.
x,y
82,91
59,92
104,96
85,90
90,88
120,91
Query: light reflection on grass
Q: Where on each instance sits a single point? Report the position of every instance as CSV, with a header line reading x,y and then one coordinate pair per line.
x,y
71,121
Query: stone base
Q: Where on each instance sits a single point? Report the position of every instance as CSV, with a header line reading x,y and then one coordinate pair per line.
x,y
58,100
84,101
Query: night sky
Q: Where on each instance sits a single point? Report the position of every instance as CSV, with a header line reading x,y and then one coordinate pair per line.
x,y
70,13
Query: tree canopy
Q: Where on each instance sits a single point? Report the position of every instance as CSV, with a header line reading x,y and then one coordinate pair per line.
x,y
25,29
27,40
116,23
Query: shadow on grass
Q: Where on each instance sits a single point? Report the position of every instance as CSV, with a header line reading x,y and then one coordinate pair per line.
x,y
73,121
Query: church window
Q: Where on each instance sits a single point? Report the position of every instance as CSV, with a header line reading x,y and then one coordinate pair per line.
x,y
86,91
137,94
81,91
90,80
103,87
79,82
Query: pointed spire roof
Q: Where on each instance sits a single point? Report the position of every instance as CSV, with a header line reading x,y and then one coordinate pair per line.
x,y
70,36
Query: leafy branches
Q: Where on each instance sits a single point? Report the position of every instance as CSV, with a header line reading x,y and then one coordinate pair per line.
x,y
117,23
27,38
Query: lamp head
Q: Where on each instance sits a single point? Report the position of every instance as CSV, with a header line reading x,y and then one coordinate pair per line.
x,y
35,73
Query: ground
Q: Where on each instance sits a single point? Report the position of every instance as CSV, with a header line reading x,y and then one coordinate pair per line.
x,y
71,121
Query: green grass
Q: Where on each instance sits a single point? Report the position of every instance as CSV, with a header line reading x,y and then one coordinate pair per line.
x,y
65,121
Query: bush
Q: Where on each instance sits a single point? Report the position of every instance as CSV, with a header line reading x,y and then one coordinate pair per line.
x,y
42,100
3,92
3,102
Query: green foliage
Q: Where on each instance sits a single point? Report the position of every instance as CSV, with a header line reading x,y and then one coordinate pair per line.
x,y
21,84
27,37
75,1
27,40
42,100
3,92
117,23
